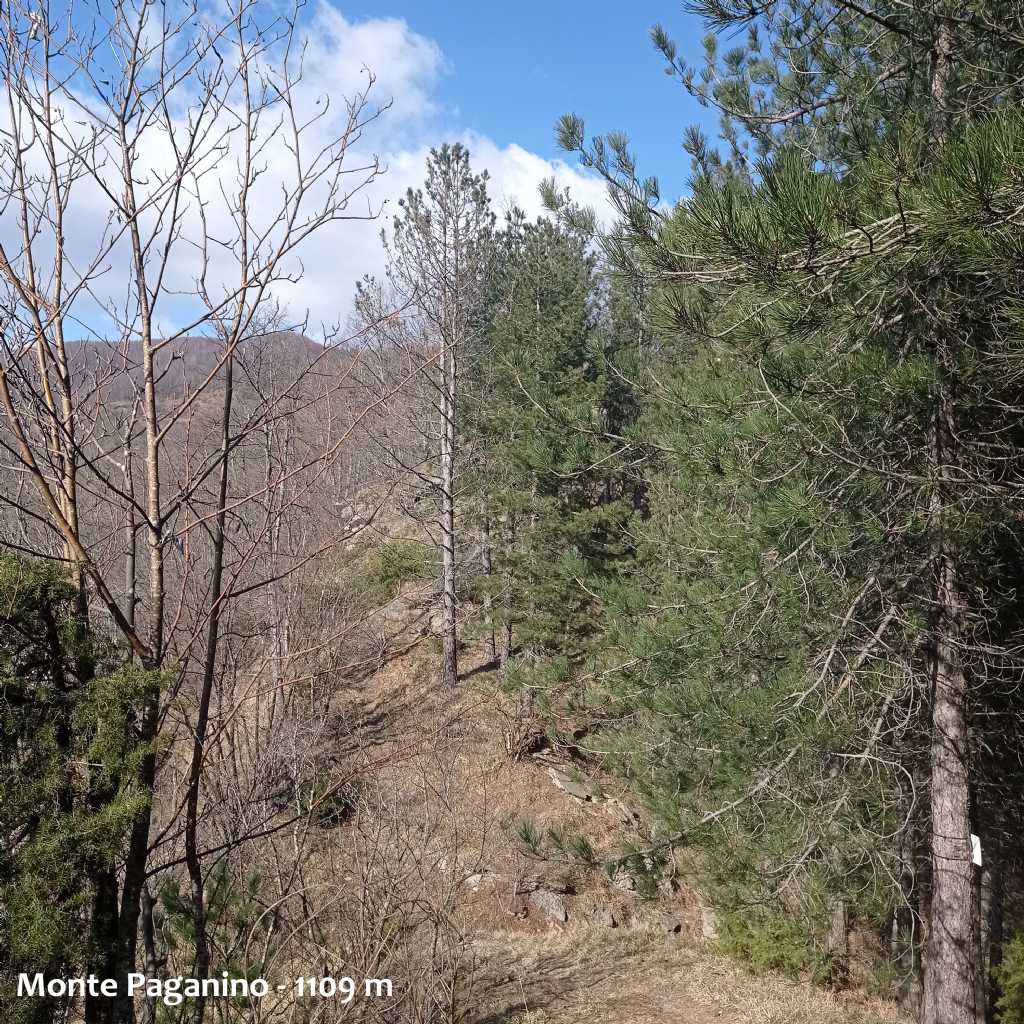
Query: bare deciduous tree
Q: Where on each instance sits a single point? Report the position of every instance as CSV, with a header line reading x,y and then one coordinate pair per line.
x,y
135,148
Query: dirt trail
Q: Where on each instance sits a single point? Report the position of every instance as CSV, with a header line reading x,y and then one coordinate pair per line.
x,y
637,979
637,976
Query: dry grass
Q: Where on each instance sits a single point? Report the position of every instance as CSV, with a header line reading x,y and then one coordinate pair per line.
x,y
772,999
530,971
586,975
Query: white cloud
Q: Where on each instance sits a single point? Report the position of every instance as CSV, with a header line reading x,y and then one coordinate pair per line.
x,y
408,68
516,173
340,254
406,65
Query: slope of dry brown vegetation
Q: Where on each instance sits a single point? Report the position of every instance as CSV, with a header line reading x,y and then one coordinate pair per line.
x,y
537,940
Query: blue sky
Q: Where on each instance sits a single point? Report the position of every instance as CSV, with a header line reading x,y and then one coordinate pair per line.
x,y
512,68
495,77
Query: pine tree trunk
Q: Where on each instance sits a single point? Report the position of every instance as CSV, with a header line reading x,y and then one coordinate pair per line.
x,y
449,638
990,925
505,651
952,956
838,944
951,962
486,564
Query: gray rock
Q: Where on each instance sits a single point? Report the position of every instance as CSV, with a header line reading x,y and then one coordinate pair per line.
x,y
668,922
550,904
397,611
624,880
620,812
561,884
579,788
708,924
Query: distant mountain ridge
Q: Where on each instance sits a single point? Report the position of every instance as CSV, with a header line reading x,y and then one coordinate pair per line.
x,y
187,364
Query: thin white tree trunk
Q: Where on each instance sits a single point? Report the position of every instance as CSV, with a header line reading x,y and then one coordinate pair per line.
x,y
449,635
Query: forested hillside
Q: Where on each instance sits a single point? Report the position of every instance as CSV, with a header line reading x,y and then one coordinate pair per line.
x,y
710,511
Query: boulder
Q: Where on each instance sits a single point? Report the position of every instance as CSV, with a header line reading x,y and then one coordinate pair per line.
x,y
668,923
552,883
581,789
624,880
550,904
708,924
620,812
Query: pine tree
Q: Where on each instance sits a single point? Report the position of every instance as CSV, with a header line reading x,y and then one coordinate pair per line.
x,y
68,769
547,413
437,259
835,625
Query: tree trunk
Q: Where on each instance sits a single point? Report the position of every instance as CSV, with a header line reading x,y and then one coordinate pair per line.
x,y
952,956
838,944
505,652
990,925
149,949
135,875
103,933
950,972
951,963
138,844
279,616
449,637
487,566
192,858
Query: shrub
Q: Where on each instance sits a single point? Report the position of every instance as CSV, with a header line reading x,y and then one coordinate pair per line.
x,y
767,941
394,563
1009,975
